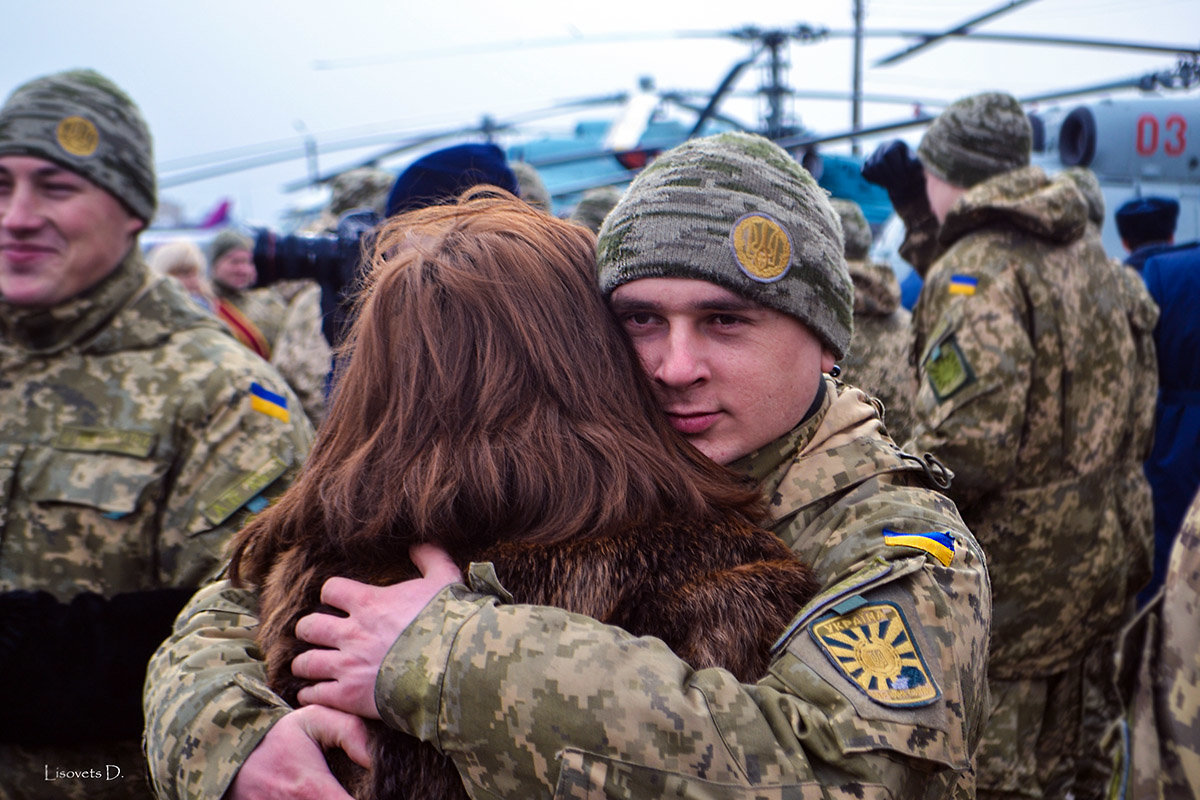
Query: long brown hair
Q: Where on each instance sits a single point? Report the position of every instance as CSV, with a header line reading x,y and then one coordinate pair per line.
x,y
488,394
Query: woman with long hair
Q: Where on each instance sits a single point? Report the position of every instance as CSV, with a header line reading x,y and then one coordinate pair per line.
x,y
490,403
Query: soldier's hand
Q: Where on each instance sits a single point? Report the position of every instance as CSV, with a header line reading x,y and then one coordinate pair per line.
x,y
896,169
355,645
289,762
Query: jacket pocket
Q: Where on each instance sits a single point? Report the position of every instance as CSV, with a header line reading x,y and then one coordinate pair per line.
x,y
586,776
114,485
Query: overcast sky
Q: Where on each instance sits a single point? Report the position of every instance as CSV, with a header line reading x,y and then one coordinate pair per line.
x,y
252,76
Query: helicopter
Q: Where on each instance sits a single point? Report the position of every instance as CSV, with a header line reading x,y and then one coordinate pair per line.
x,y
609,148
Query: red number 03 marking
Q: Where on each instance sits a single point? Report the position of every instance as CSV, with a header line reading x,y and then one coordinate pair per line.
x,y
1174,142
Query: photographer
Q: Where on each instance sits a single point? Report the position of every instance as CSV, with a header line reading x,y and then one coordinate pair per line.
x,y
333,260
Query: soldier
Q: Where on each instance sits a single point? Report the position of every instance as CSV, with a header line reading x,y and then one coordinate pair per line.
x,y
530,186
1147,227
724,263
1172,278
362,188
1157,742
1030,389
879,353
594,206
280,322
136,436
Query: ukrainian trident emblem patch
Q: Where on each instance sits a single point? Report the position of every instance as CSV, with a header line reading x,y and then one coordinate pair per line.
x,y
873,647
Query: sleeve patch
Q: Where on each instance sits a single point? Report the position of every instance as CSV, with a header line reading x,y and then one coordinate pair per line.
x,y
246,486
873,647
935,543
269,403
947,369
963,284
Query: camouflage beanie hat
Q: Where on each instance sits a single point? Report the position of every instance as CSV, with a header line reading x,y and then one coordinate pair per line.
x,y
84,122
594,206
224,242
854,228
530,186
735,210
977,138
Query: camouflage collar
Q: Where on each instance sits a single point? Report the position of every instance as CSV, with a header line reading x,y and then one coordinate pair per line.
x,y
93,322
50,330
1024,199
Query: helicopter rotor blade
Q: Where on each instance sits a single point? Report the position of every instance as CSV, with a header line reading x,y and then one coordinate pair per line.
x,y
1029,38
723,88
959,29
352,62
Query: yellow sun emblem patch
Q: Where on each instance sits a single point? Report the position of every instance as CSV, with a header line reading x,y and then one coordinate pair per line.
x,y
873,647
761,247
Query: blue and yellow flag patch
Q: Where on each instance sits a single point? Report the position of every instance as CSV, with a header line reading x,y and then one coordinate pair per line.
x,y
269,403
937,544
963,284
872,646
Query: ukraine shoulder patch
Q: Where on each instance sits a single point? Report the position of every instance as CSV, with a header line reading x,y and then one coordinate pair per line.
x,y
873,647
947,369
269,403
937,544
963,284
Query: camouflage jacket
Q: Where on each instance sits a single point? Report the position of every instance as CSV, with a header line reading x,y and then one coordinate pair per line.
x,y
288,315
878,359
1030,389
637,721
877,688
130,450
1156,746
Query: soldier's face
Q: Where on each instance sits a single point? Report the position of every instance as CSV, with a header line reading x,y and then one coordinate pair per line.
x,y
60,234
731,375
235,269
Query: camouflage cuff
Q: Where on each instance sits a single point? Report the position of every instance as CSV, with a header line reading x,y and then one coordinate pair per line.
x,y
408,689
206,701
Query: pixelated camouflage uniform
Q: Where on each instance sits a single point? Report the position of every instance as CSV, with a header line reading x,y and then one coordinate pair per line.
x,y
878,359
1031,391
288,315
1157,741
129,450
527,698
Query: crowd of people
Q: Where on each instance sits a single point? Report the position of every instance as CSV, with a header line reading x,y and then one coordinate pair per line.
x,y
668,498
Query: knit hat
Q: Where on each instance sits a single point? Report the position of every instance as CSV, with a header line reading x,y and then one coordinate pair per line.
x,y
224,242
532,189
977,138
1147,220
1089,186
735,210
443,175
854,227
84,122
594,206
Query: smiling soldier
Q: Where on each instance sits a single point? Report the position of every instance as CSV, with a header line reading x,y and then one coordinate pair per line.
x,y
136,436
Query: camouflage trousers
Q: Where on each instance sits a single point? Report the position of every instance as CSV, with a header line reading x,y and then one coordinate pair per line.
x,y
112,771
1043,738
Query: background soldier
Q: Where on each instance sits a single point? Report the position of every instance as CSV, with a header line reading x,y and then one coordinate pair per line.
x,y
280,322
724,263
1030,389
136,436
1147,227
1157,742
878,359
